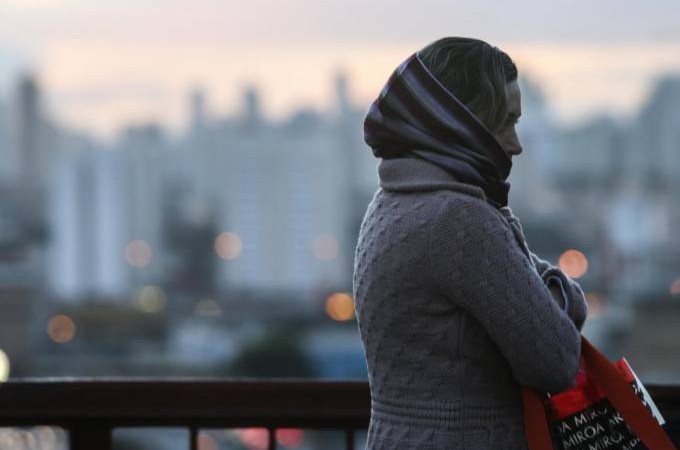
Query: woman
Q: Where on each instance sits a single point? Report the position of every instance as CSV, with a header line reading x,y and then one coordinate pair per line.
x,y
455,313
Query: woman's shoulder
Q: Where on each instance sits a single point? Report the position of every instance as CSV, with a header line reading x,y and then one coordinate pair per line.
x,y
456,205
457,214
440,210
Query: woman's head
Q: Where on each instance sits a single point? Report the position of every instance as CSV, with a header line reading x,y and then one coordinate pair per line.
x,y
484,79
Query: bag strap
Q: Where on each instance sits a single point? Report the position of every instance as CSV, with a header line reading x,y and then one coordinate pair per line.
x,y
535,421
619,393
622,397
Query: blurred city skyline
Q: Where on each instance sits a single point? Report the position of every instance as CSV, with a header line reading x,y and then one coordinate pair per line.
x,y
223,211
107,64
183,183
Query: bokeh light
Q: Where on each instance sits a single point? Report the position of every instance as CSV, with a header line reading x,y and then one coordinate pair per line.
x,y
254,438
595,305
30,442
11,438
207,307
573,263
228,246
290,437
61,328
4,366
46,437
138,253
325,247
149,299
675,287
340,306
207,442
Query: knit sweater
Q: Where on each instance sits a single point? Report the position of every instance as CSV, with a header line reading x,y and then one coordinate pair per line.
x,y
454,315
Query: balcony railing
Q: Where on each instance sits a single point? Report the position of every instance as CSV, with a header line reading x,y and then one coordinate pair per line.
x,y
89,409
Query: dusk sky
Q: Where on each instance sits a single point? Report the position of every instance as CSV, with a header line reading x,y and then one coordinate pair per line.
x,y
108,62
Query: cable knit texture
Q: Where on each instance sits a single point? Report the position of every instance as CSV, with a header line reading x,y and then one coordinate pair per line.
x,y
454,315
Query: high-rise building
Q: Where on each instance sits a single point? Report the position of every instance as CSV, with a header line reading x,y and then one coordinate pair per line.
x,y
86,225
197,111
33,156
531,192
655,149
283,200
106,217
8,155
647,211
251,115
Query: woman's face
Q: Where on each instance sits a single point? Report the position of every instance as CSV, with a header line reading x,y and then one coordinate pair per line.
x,y
507,135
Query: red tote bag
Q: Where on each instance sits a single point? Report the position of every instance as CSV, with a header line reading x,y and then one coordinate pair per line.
x,y
613,416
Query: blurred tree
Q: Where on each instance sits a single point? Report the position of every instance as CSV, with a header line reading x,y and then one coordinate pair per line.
x,y
192,243
277,354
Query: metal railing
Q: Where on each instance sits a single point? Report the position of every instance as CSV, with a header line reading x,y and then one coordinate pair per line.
x,y
89,409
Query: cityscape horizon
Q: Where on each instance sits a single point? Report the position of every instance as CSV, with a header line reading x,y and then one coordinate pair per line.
x,y
573,86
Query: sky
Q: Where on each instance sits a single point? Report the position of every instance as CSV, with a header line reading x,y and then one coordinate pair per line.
x,y
105,63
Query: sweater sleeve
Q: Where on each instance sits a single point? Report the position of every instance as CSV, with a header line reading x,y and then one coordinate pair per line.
x,y
477,263
574,302
572,299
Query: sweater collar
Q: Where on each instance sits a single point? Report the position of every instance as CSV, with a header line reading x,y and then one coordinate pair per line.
x,y
415,174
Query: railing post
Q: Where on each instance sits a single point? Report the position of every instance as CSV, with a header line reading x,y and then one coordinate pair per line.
x,y
272,438
90,435
193,438
349,433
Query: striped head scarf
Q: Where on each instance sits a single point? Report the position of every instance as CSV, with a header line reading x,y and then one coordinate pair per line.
x,y
415,115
